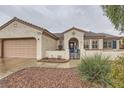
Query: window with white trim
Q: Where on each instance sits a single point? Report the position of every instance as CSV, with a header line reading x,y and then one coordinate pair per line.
x,y
107,44
86,44
94,44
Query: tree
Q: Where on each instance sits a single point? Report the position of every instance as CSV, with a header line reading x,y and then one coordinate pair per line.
x,y
116,15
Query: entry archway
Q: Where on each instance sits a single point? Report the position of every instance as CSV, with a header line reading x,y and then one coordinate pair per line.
x,y
74,50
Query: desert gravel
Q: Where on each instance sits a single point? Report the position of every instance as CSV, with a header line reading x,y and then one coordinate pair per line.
x,y
36,77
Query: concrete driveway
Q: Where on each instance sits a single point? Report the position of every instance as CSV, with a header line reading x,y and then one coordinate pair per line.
x,y
10,65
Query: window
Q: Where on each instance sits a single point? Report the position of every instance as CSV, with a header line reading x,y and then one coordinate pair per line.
x,y
94,44
86,44
114,44
107,44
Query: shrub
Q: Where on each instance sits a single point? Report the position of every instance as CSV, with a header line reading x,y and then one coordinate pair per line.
x,y
117,72
95,69
60,47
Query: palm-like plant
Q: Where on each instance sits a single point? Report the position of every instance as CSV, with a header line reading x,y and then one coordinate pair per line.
x,y
95,68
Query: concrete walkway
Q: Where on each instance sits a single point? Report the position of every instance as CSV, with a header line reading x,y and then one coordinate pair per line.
x,y
11,65
70,64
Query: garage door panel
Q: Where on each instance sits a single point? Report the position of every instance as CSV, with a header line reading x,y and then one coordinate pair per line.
x,y
21,48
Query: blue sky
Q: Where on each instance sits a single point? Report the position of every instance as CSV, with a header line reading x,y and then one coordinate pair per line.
x,y
60,18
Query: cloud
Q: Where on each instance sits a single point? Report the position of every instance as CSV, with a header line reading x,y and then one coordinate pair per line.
x,y
60,18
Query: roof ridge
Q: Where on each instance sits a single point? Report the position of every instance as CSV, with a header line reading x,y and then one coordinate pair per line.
x,y
27,23
107,34
75,29
15,18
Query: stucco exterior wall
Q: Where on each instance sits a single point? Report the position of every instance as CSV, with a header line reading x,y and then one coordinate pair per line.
x,y
48,44
57,54
111,53
19,30
74,34
78,35
0,47
100,43
58,43
118,45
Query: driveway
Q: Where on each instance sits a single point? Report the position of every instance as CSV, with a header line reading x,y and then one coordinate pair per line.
x,y
10,65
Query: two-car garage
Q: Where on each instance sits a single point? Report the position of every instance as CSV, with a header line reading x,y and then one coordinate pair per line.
x,y
19,48
21,39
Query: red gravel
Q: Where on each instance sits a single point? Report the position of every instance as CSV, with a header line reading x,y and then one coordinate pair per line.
x,y
43,77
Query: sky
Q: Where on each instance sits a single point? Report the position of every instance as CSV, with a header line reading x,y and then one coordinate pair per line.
x,y
60,18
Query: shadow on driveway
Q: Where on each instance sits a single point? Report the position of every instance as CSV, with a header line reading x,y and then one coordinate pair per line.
x,y
9,65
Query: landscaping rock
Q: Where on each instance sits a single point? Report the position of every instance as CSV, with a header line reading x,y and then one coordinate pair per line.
x,y
42,78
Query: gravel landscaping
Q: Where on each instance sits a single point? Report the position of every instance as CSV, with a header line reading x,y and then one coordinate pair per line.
x,y
36,77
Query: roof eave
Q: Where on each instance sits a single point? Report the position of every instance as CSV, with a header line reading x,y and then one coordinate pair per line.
x,y
74,29
29,24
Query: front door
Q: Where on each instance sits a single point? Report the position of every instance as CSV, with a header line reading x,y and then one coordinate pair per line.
x,y
74,51
71,47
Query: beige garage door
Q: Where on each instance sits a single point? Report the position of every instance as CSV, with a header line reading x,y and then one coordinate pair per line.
x,y
20,48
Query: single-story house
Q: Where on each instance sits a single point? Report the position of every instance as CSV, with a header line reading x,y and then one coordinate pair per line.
x,y
21,39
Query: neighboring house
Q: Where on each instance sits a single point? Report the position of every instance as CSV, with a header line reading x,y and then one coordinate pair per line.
x,y
21,39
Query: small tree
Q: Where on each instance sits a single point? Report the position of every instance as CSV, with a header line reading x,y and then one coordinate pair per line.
x,y
116,15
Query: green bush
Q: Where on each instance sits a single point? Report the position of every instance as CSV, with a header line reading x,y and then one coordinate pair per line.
x,y
95,69
117,72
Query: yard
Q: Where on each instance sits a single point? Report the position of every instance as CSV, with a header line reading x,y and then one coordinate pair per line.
x,y
93,71
36,77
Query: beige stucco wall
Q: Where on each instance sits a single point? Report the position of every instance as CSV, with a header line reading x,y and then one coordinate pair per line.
x,y
118,45
48,44
0,48
78,35
55,54
19,30
58,43
108,53
100,43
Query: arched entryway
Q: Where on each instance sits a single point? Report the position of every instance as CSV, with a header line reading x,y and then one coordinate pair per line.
x,y
74,48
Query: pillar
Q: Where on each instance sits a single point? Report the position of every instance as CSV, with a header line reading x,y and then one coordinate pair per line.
x,y
39,47
100,44
117,45
90,46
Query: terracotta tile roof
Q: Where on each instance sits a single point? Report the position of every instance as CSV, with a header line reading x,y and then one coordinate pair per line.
x,y
109,36
74,28
88,34
59,35
28,24
92,34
